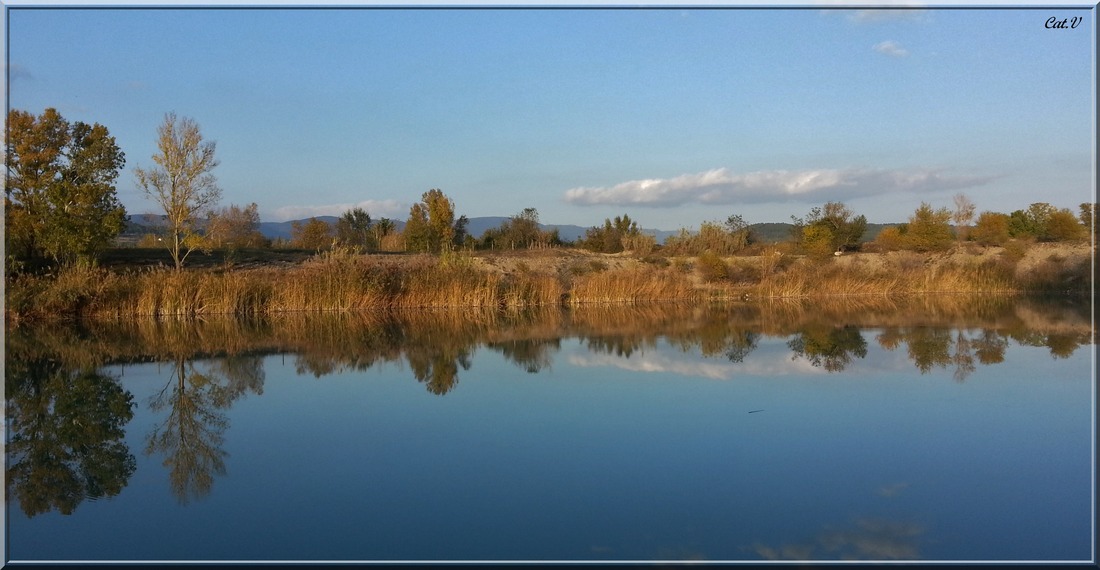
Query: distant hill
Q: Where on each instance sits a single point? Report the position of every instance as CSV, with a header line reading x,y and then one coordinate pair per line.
x,y
476,227
140,224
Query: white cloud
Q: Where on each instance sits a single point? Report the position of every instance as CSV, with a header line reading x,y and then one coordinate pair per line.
x,y
376,209
714,370
891,48
722,186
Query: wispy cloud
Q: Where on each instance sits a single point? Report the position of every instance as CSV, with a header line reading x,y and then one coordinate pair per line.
x,y
892,490
891,48
869,539
722,186
376,209
16,71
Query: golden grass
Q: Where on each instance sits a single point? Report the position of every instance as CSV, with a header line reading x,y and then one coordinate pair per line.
x,y
632,286
343,282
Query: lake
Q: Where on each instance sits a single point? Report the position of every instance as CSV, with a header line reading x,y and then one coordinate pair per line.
x,y
948,430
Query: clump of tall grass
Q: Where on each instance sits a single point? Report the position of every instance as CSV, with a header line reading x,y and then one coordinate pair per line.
x,y
905,277
631,286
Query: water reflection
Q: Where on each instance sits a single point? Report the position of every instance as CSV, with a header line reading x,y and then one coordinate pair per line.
x,y
67,419
831,348
65,435
864,539
192,433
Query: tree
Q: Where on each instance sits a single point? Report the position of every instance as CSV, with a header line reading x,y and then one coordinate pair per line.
x,y
928,229
431,226
417,231
609,238
354,228
829,229
384,227
1045,223
441,219
991,229
233,228
181,183
460,233
1062,225
60,198
964,212
1088,218
315,234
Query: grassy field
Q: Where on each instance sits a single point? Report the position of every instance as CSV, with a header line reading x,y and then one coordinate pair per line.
x,y
138,283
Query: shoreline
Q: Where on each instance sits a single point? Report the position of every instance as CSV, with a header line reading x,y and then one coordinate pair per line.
x,y
351,282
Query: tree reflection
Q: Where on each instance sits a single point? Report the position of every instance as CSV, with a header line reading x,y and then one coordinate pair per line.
x,y
621,346
66,434
532,355
741,345
438,369
989,347
931,347
963,358
831,348
192,435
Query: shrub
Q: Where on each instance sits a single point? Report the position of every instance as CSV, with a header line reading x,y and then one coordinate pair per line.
x,y
711,267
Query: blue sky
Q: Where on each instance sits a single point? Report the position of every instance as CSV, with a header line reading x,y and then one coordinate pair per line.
x,y
674,116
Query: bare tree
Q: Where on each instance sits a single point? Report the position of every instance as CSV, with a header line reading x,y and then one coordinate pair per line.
x,y
963,214
181,182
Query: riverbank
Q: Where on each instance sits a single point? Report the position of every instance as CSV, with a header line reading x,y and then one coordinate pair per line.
x,y
347,282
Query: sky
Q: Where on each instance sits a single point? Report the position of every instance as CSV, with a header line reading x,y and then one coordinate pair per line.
x,y
673,116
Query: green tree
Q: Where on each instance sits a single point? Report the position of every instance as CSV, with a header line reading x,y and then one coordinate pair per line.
x,y
60,198
520,231
381,229
830,228
181,182
354,229
928,229
1044,222
417,231
315,234
609,237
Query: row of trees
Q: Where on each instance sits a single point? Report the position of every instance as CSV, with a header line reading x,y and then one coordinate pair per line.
x,y
61,206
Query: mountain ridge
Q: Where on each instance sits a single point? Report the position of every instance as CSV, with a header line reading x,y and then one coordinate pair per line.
x,y
765,231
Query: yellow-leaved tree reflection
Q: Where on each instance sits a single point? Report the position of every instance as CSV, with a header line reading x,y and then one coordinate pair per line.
x,y
65,430
192,434
438,369
532,355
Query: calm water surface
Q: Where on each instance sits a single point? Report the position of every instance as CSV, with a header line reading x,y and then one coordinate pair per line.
x,y
661,433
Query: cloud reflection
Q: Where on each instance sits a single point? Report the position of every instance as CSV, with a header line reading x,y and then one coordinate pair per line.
x,y
660,363
868,539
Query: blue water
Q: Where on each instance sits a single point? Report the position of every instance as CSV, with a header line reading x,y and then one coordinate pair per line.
x,y
665,454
